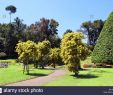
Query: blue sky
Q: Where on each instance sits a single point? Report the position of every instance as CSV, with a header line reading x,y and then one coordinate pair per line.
x,y
69,13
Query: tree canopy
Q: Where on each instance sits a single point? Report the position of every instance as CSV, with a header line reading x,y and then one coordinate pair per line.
x,y
73,50
92,30
103,51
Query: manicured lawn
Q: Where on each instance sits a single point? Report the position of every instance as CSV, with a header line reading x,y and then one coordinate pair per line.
x,y
89,77
93,77
9,60
14,73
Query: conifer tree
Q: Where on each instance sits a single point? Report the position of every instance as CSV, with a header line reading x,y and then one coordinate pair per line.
x,y
103,51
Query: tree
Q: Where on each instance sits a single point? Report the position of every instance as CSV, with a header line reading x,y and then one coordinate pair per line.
x,y
12,10
44,29
4,28
54,56
103,51
19,28
13,32
68,31
92,30
73,50
26,51
43,49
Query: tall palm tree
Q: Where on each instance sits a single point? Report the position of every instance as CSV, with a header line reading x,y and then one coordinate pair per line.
x,y
12,10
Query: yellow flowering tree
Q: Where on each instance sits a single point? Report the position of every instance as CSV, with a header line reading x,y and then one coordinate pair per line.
x,y
73,50
26,51
43,49
54,56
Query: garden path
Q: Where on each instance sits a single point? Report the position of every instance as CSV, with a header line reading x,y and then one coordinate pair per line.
x,y
40,80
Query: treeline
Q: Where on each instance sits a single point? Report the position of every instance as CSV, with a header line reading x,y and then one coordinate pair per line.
x,y
45,29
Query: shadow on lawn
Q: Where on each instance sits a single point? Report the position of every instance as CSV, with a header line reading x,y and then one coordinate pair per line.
x,y
87,76
38,75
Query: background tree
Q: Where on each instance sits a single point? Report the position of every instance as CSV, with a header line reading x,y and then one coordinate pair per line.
x,y
19,29
4,28
92,30
68,31
45,29
12,10
73,50
54,56
103,51
12,36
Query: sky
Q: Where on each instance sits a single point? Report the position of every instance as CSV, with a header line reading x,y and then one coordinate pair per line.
x,y
69,13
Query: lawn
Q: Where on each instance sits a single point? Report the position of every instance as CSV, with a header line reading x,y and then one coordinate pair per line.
x,y
9,60
89,77
14,73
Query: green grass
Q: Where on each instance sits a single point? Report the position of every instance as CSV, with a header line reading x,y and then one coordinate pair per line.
x,y
89,77
14,73
9,60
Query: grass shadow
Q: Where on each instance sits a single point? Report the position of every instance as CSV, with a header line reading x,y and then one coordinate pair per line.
x,y
87,76
38,75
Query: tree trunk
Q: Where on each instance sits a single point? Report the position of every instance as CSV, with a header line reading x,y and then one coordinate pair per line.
x,y
76,72
88,36
24,67
42,66
54,65
27,68
10,17
79,66
36,64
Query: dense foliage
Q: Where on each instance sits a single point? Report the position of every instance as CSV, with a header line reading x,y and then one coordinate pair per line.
x,y
26,52
92,30
45,29
73,50
43,49
103,51
68,31
10,34
30,51
54,56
